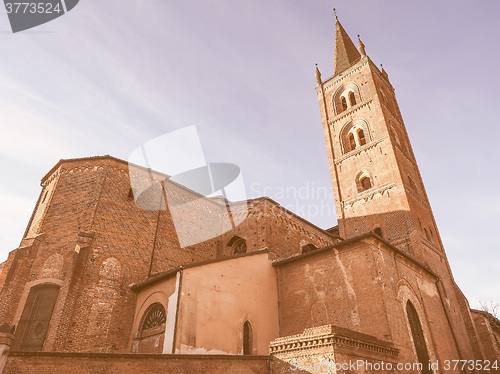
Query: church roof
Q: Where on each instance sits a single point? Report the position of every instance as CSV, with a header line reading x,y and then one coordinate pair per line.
x,y
345,51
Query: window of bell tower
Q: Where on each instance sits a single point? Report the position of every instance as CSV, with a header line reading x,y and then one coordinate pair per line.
x,y
343,103
352,142
365,183
361,137
352,99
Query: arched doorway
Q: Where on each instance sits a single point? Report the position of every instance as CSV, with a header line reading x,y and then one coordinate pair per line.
x,y
34,323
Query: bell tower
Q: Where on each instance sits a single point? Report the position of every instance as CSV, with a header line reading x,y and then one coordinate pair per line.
x,y
376,181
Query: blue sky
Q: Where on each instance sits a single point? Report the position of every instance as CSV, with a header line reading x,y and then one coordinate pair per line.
x,y
111,75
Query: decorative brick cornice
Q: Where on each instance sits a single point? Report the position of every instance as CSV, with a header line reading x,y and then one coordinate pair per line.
x,y
326,336
350,111
358,150
369,194
336,79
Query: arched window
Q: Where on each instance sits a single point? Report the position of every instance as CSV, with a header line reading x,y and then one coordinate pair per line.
x,y
418,338
378,231
365,183
154,316
343,103
361,137
352,142
34,323
238,245
247,338
308,248
352,99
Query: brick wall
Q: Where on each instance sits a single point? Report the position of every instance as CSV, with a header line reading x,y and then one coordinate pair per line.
x,y
75,363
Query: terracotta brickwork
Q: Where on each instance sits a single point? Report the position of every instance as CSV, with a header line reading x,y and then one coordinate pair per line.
x,y
87,236
364,285
74,363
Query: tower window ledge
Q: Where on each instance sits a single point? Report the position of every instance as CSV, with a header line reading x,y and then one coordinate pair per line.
x,y
357,151
350,111
370,193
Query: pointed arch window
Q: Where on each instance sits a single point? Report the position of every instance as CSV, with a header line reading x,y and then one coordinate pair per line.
x,y
343,103
378,231
418,338
352,142
352,98
361,137
247,338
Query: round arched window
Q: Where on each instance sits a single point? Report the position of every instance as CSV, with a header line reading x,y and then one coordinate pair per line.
x,y
154,316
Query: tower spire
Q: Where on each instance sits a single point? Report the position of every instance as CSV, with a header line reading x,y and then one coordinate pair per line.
x,y
318,75
361,47
345,51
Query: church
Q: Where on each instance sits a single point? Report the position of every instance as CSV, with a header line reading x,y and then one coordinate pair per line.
x,y
99,284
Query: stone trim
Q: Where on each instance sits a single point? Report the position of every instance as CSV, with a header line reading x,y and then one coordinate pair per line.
x,y
358,150
326,336
349,111
368,194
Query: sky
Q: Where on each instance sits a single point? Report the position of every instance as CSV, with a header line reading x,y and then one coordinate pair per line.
x,y
111,75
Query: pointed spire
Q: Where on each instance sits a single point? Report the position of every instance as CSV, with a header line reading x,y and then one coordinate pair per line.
x,y
318,75
361,47
345,51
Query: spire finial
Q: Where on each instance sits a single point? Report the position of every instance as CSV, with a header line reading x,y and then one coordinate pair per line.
x,y
384,73
335,14
318,75
361,47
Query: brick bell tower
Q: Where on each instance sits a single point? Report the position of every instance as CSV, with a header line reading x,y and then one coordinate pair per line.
x,y
376,181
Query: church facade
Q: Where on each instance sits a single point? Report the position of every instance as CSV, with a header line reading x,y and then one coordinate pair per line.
x,y
100,285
